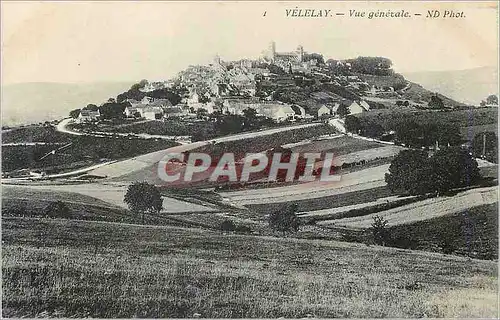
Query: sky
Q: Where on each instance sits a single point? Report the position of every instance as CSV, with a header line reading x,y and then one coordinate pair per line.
x,y
128,41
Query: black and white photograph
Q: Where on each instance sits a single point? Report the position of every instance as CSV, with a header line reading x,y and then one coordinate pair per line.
x,y
249,159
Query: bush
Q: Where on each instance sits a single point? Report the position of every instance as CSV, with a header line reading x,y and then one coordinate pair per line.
x,y
380,232
227,225
285,221
243,229
57,209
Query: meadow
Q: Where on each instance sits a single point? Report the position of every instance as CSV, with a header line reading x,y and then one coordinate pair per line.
x,y
34,133
167,128
333,201
479,119
263,143
83,151
65,268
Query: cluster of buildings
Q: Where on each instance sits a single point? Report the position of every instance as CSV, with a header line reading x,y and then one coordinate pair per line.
x,y
280,112
231,87
88,115
294,61
148,108
152,109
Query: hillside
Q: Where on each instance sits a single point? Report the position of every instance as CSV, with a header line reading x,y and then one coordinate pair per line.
x,y
26,103
101,269
468,86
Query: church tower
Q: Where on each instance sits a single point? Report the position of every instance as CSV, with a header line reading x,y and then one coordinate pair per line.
x,y
272,51
300,53
217,59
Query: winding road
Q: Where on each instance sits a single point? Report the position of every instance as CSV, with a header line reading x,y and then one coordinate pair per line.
x,y
117,175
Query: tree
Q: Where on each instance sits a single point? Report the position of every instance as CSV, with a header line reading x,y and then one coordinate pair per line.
x,y
374,130
453,168
352,124
409,133
275,69
113,110
412,172
448,134
285,220
203,99
231,123
137,114
343,110
91,107
379,230
251,118
163,93
310,56
492,100
139,85
250,113
409,172
371,65
74,113
436,102
142,198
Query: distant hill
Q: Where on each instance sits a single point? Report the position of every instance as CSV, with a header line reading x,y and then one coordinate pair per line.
x,y
37,102
468,86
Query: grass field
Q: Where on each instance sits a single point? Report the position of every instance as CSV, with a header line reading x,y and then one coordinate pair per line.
x,y
333,201
480,117
263,143
339,146
83,151
56,268
34,133
167,128
472,232
424,209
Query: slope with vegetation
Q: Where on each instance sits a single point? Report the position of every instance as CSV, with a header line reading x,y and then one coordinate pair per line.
x,y
90,269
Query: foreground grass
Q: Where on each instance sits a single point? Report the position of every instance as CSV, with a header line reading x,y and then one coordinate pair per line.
x,y
57,268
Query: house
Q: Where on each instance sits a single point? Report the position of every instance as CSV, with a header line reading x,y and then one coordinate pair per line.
x,y
152,113
243,83
194,98
324,111
133,102
356,108
208,106
132,111
146,100
221,89
88,116
365,105
162,103
173,112
277,112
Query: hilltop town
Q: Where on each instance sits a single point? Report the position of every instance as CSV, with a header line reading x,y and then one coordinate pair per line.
x,y
282,86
